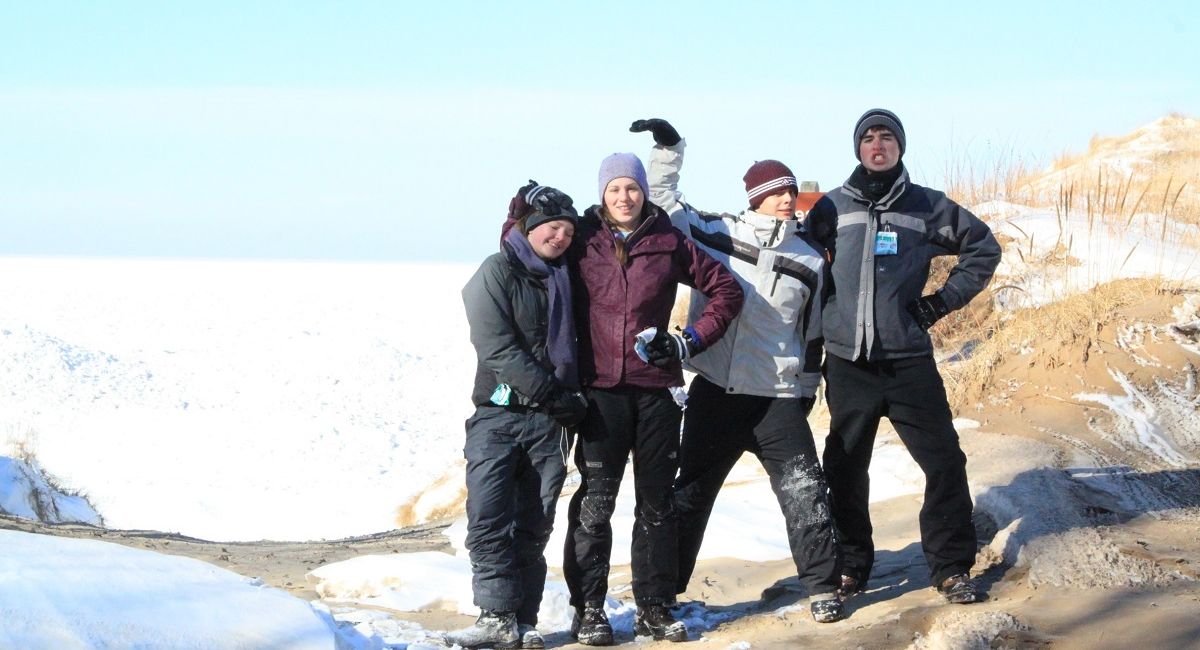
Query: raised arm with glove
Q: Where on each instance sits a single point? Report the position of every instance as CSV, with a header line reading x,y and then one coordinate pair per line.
x,y
663,132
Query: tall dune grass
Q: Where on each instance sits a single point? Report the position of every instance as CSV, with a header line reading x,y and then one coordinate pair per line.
x,y
1118,182
989,174
1157,200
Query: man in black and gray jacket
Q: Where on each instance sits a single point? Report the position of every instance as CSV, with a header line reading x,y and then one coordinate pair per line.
x,y
882,231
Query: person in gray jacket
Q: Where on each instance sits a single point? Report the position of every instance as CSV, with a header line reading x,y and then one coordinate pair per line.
x,y
882,231
754,388
526,397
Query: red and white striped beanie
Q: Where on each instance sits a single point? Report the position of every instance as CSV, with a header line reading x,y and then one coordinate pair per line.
x,y
766,178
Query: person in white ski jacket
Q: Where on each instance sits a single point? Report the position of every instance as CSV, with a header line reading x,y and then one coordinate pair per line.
x,y
755,386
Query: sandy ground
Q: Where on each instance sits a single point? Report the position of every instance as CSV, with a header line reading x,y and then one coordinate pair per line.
x,y
1088,534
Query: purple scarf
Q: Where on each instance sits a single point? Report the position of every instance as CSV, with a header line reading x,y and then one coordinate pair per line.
x,y
560,335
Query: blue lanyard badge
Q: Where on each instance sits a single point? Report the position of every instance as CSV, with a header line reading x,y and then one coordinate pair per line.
x,y
502,396
886,242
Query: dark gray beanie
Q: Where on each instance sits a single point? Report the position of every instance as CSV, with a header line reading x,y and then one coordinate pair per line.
x,y
878,117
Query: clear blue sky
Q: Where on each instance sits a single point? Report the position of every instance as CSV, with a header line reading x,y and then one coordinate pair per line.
x,y
398,131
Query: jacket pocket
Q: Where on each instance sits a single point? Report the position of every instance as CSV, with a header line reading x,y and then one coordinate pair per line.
x,y
787,369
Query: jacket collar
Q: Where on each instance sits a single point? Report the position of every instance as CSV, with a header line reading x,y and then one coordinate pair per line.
x,y
648,226
890,197
767,230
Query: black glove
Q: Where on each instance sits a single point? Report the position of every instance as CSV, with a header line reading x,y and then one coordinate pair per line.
x,y
806,404
664,133
517,206
668,348
928,310
568,408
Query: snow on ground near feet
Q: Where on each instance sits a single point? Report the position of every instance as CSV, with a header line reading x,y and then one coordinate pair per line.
x,y
746,524
70,593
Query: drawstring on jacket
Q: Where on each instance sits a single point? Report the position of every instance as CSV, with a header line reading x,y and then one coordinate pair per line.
x,y
564,443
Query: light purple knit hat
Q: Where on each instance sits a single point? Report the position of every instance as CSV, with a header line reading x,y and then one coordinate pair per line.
x,y
623,165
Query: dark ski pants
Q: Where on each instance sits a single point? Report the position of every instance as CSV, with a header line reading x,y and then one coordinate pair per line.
x,y
515,471
620,420
909,392
717,429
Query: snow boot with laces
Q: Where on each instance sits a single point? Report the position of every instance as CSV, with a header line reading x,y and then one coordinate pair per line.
x,y
491,630
531,639
827,609
591,627
657,621
960,589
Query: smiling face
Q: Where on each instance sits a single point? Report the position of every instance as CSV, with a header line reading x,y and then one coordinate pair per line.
x,y
552,238
781,206
623,199
878,149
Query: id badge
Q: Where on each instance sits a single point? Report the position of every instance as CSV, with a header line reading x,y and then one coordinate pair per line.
x,y
502,395
886,243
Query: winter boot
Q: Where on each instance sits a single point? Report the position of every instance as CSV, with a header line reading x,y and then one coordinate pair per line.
x,y
850,587
530,637
960,590
657,621
491,630
590,625
826,610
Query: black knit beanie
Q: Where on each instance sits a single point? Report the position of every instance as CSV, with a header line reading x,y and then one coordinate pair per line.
x,y
878,117
548,204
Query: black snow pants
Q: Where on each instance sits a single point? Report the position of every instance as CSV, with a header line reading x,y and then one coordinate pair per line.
x,y
515,471
717,429
620,420
909,392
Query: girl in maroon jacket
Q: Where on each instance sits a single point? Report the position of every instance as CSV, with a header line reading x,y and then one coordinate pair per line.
x,y
627,261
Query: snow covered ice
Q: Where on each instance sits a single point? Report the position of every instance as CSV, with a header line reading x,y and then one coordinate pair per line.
x,y
71,593
237,400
